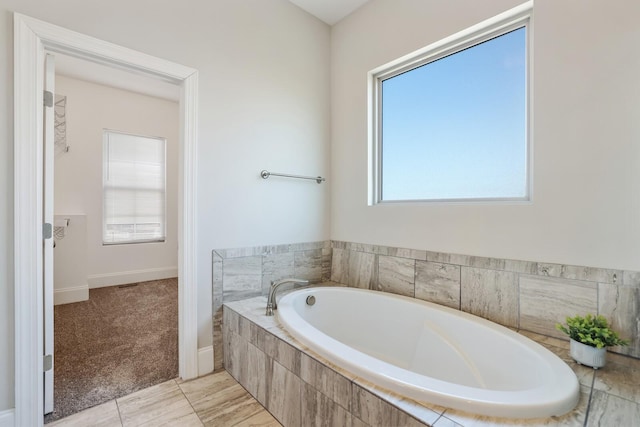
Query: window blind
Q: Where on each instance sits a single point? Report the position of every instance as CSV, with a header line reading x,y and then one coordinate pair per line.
x,y
133,188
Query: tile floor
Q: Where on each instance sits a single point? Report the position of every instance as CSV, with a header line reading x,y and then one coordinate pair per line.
x,y
213,400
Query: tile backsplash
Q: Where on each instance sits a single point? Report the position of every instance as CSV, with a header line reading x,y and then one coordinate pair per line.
x,y
248,272
520,294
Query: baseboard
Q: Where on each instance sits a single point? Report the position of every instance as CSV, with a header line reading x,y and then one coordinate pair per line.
x,y
7,418
205,360
69,295
124,277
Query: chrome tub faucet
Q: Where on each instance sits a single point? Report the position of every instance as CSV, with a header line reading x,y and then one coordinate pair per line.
x,y
271,300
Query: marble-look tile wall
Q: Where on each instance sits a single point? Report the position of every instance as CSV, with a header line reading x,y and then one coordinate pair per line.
x,y
520,294
242,273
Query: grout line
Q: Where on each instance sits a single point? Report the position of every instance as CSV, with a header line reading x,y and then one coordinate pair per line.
x,y
189,402
119,414
254,398
414,278
459,288
586,416
518,290
438,419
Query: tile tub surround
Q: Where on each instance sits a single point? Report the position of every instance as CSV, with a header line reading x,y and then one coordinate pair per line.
x,y
242,273
520,294
524,295
300,387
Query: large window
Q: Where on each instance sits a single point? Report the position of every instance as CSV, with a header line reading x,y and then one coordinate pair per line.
x,y
451,124
134,188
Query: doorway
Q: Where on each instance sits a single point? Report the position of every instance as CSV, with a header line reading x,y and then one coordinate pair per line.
x,y
31,38
115,320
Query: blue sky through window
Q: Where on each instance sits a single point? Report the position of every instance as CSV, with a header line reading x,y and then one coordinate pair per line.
x,y
456,128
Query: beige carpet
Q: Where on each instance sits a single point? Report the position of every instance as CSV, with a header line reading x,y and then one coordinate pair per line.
x,y
123,339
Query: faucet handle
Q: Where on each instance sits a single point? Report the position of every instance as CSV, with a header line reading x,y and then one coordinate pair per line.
x,y
269,310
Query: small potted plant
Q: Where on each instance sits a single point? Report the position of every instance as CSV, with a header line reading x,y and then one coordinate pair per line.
x,y
590,336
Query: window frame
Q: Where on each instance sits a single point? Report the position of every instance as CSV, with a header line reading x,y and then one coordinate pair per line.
x,y
105,144
518,17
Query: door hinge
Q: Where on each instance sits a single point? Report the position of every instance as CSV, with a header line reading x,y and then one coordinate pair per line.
x,y
47,231
48,98
47,362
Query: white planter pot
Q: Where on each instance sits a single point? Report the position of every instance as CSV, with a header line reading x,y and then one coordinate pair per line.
x,y
587,355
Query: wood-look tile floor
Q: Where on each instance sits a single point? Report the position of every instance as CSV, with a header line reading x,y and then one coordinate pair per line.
x,y
213,400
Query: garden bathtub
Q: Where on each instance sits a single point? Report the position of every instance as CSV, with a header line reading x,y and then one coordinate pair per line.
x,y
431,353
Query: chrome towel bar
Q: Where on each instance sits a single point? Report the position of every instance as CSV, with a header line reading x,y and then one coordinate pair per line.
x,y
266,174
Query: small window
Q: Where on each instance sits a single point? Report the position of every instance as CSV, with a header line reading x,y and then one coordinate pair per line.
x,y
133,188
451,124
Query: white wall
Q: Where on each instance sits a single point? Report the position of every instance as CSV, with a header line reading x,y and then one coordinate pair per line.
x,y
91,108
70,259
586,150
264,104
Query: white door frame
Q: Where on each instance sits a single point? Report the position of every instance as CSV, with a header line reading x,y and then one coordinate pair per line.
x,y
31,38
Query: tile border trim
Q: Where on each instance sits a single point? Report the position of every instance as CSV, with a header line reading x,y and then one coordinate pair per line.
x,y
562,271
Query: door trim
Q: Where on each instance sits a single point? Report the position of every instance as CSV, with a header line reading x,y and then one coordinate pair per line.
x,y
31,38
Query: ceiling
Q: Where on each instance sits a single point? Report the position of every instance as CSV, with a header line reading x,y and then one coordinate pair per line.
x,y
329,11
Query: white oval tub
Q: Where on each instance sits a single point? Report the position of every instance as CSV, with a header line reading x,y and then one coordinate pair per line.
x,y
431,353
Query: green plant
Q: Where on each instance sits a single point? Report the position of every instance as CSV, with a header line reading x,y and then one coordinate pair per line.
x,y
591,330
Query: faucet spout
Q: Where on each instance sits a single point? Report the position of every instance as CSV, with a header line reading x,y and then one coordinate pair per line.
x,y
271,299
